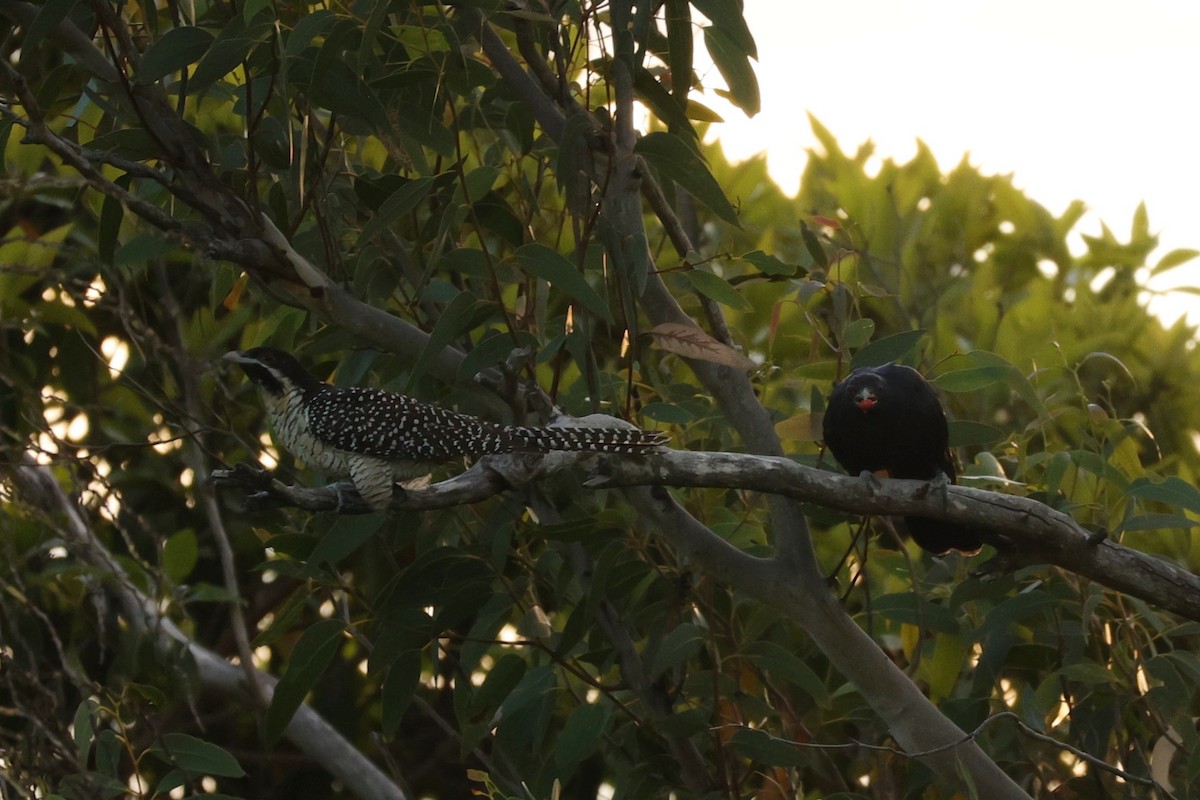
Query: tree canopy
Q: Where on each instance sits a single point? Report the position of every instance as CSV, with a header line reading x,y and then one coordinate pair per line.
x,y
511,210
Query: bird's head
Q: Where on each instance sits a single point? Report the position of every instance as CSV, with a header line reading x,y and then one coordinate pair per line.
x,y
865,390
273,371
873,389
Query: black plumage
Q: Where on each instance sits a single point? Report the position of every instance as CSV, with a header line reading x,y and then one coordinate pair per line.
x,y
889,419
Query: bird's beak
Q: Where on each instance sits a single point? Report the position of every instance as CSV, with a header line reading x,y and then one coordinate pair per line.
x,y
865,400
237,357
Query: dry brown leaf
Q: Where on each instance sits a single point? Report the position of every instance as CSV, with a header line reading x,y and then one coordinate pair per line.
x,y
691,342
804,427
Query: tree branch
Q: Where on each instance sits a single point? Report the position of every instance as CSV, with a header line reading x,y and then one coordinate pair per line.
x,y
1025,531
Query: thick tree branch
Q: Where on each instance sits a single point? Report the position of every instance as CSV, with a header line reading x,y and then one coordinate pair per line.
x,y
1026,531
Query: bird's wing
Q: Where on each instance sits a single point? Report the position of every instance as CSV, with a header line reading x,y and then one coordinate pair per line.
x,y
373,479
837,431
378,423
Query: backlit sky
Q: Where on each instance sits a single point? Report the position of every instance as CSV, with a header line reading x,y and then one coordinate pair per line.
x,y
1098,100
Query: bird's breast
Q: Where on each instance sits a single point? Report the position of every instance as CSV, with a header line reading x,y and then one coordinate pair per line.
x,y
289,421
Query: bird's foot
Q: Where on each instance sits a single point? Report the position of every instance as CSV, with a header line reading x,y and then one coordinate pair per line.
x,y
936,484
345,492
871,479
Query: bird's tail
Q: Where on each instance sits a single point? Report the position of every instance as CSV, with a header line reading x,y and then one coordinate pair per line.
x,y
626,441
939,536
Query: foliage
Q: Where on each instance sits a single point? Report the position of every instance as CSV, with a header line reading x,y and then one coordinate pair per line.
x,y
548,639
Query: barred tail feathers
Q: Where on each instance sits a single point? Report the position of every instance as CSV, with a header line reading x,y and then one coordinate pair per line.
x,y
621,441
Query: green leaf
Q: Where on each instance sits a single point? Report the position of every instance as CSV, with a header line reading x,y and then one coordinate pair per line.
x,y
399,203
345,536
478,182
109,750
676,647
763,748
728,16
536,684
889,348
501,680
112,212
582,734
770,265
661,103
179,555
782,663
494,349
1173,490
84,730
971,379
225,54
733,63
813,245
1014,610
677,160
398,688
670,413
1140,229
717,288
172,780
178,48
1015,378
49,15
142,248
569,174
965,433
941,671
859,332
133,143
308,28
915,610
1156,522
678,15
460,316
55,312
310,658
554,268
197,756
1174,259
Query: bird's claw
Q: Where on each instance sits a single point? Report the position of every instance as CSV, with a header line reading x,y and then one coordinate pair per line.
x,y
871,479
343,491
938,484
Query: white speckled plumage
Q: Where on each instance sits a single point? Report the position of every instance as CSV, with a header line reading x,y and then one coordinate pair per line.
x,y
373,436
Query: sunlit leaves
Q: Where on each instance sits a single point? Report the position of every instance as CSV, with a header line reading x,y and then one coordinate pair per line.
x,y
680,162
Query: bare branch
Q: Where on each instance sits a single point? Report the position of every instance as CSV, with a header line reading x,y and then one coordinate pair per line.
x,y
1025,531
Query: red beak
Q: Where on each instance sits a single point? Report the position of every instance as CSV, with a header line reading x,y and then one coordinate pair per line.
x,y
865,400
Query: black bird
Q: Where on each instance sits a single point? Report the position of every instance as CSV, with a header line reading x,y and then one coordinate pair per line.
x,y
889,419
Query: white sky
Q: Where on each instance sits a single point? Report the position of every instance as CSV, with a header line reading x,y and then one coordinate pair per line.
x,y
1097,100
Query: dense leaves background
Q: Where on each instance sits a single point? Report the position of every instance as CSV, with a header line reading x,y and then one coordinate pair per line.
x,y
548,634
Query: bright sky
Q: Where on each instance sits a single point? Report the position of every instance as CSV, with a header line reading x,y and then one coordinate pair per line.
x,y
1091,100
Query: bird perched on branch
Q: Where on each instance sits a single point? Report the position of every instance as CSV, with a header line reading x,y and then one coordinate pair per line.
x,y
889,419
375,437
